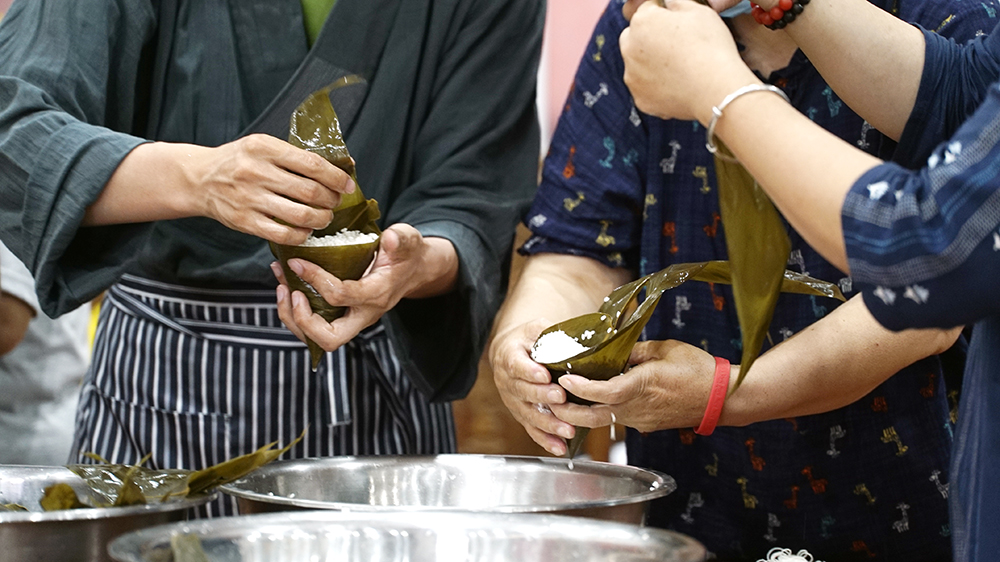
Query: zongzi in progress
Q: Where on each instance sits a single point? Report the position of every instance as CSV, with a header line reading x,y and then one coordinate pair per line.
x,y
347,246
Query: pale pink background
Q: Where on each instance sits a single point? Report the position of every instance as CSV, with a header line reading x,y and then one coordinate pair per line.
x,y
4,4
567,32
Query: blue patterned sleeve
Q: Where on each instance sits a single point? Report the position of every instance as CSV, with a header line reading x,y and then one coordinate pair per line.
x,y
590,199
954,83
928,242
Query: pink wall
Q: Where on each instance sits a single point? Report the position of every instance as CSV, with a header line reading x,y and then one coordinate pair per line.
x,y
4,4
567,31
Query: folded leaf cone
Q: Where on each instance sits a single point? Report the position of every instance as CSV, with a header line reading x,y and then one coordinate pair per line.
x,y
610,333
314,126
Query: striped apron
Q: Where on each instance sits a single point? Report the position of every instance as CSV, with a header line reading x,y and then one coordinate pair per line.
x,y
195,377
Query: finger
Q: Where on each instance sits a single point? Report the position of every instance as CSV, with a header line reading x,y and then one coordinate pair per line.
x,y
313,325
650,351
542,418
583,416
279,273
285,311
328,285
629,8
551,443
613,391
267,228
294,212
301,162
722,5
351,324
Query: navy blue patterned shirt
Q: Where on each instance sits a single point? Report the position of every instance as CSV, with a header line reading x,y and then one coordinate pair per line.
x,y
867,480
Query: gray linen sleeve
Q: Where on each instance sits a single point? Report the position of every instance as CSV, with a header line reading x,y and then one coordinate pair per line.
x,y
68,86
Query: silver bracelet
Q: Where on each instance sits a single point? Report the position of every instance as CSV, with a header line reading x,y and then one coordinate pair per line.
x,y
717,113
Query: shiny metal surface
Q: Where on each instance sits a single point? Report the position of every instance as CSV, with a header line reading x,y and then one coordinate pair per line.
x,y
467,483
78,535
330,536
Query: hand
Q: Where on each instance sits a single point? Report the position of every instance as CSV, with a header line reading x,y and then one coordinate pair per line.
x,y
667,388
407,266
524,385
681,61
264,186
628,10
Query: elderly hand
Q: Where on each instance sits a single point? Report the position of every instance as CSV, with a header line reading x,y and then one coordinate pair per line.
x,y
667,388
407,266
524,385
681,61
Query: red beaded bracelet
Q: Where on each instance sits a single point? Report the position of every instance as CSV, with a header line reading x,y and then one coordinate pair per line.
x,y
779,16
716,398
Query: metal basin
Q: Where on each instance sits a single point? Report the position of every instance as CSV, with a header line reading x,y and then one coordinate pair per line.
x,y
466,483
330,536
77,535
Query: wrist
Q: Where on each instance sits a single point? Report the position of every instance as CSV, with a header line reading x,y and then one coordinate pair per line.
x,y
437,269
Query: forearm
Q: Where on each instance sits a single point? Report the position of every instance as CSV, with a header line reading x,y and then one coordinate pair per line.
x,y
439,269
15,316
830,364
806,170
152,183
558,287
859,49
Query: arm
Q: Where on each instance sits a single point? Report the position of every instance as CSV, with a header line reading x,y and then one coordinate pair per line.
x,y
551,288
839,37
83,190
245,184
14,318
18,305
830,364
760,128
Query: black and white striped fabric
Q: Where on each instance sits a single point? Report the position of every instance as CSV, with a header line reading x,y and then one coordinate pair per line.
x,y
195,377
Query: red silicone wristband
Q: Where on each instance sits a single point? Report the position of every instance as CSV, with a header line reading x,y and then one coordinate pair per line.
x,y
720,385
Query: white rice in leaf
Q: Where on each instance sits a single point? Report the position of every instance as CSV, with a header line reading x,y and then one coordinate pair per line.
x,y
557,346
343,238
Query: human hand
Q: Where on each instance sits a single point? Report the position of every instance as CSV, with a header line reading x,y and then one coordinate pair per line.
x,y
629,8
524,385
667,388
407,265
680,61
264,186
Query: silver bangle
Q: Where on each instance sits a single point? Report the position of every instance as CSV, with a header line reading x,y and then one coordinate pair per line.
x,y
717,113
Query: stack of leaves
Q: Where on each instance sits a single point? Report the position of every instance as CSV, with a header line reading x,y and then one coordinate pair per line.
x,y
117,485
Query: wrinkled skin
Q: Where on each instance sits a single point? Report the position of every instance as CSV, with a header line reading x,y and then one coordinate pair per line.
x,y
407,266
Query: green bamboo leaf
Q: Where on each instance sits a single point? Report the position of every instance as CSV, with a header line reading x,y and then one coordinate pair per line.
x,y
314,126
610,333
758,248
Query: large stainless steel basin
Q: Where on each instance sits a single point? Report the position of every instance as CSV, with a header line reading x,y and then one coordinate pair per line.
x,y
467,483
331,536
77,535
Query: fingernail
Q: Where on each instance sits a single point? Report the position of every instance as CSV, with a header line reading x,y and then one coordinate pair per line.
x,y
565,433
350,186
555,397
281,293
276,269
296,267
